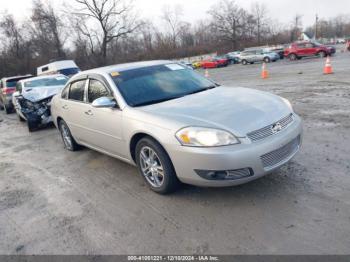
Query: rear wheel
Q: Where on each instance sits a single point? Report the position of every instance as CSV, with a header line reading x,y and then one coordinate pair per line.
x,y
68,140
155,166
244,62
293,57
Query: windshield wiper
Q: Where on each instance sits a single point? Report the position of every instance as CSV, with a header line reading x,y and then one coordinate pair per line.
x,y
201,90
156,101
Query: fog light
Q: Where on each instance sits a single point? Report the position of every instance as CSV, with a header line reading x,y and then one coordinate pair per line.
x,y
225,175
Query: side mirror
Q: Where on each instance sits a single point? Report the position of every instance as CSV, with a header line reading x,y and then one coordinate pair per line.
x,y
16,94
104,102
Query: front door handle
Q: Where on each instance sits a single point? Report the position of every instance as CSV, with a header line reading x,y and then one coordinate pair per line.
x,y
89,113
65,107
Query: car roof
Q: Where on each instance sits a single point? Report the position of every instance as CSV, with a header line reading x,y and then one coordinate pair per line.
x,y
41,77
15,77
124,67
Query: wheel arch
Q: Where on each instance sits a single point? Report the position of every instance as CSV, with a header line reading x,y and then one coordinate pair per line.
x,y
136,138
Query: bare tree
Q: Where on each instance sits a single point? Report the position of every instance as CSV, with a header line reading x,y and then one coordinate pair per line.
x,y
229,21
172,16
259,13
48,27
12,32
296,27
114,19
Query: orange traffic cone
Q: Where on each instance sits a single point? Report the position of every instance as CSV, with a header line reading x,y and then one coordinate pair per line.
x,y
264,73
328,67
206,73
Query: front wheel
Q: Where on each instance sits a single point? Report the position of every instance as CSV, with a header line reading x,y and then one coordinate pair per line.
x,y
244,62
7,110
68,140
156,167
267,60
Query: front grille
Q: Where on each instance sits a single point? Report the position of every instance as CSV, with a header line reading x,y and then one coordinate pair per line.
x,y
278,156
268,130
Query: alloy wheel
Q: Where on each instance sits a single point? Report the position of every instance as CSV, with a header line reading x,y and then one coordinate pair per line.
x,y
66,136
151,167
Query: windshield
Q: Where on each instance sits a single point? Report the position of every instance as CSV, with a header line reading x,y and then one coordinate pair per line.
x,y
155,84
44,82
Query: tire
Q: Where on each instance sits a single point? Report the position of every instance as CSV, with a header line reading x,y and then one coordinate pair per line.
x,y
322,54
7,110
244,62
267,60
156,169
293,57
68,140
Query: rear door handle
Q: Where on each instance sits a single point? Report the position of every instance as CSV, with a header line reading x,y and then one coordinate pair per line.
x,y
89,113
65,107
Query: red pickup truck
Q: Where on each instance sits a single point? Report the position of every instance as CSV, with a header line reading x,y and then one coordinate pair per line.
x,y
299,50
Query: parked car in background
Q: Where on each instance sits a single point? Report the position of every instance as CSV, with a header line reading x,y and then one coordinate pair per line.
x,y
234,54
7,88
332,50
222,61
166,120
33,97
210,63
298,50
232,59
278,49
197,64
64,67
254,56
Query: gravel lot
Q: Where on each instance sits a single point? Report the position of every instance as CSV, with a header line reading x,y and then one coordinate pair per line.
x,y
56,202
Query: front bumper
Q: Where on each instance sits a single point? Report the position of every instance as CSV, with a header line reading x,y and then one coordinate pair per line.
x,y
245,155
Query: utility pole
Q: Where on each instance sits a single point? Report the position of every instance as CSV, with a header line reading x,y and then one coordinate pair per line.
x,y
316,26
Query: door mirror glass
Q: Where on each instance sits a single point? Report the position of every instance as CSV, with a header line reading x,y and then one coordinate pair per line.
x,y
104,102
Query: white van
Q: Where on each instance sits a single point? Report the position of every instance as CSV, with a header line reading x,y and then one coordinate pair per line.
x,y
64,67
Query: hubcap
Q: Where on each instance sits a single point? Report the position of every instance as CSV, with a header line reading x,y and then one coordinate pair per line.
x,y
66,137
151,166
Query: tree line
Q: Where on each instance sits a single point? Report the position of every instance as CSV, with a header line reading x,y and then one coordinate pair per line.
x,y
102,32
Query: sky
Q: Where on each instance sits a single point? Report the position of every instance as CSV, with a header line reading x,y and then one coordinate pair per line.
x,y
282,10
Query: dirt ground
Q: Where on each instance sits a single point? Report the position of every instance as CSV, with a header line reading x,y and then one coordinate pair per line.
x,y
56,202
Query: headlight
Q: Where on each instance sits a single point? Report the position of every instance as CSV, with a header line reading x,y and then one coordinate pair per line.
x,y
286,101
205,137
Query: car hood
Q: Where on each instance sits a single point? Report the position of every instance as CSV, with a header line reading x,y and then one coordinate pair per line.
x,y
239,110
39,93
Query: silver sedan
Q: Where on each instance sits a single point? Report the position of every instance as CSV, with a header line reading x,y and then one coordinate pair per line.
x,y
177,126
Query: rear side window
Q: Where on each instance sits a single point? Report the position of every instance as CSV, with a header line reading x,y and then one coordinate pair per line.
x,y
77,91
97,90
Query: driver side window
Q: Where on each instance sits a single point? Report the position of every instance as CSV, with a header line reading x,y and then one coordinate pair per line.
x,y
97,90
